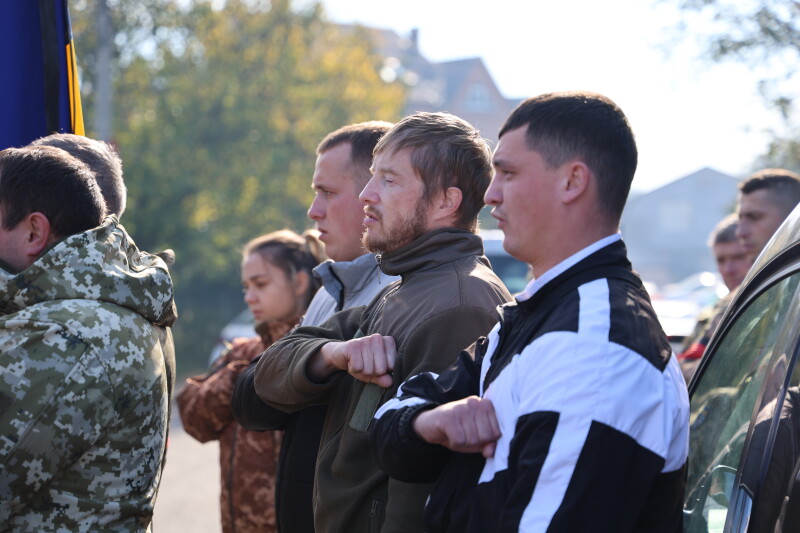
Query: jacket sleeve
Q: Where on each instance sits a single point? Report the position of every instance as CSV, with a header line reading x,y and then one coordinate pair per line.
x,y
433,348
394,445
249,410
281,379
205,401
50,414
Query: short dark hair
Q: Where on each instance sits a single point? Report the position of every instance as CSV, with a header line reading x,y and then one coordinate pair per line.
x,y
586,126
292,253
362,137
101,158
724,231
446,152
783,185
50,181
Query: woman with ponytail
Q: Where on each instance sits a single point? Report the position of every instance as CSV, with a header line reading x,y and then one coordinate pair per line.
x,y
278,286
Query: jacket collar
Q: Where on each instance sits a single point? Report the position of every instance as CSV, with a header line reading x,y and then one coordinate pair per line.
x,y
432,249
535,284
341,278
610,260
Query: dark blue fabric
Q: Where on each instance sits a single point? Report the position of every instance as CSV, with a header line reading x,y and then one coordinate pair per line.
x,y
23,105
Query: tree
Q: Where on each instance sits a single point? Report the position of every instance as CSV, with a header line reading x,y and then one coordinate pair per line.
x,y
783,152
762,33
218,111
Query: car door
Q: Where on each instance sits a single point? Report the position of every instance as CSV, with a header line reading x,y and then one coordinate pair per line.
x,y
743,448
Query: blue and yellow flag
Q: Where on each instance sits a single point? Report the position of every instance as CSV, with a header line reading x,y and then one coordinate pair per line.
x,y
39,91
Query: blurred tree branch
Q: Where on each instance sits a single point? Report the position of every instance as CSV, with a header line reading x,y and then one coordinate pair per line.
x,y
760,33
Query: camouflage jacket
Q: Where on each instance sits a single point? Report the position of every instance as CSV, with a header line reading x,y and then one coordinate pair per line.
x,y
84,385
248,460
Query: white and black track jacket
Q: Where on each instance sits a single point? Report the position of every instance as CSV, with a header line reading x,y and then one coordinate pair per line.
x,y
591,404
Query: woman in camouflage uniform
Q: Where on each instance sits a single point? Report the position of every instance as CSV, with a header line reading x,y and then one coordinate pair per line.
x,y
278,285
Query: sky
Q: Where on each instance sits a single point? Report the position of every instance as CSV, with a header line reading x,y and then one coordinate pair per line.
x,y
686,112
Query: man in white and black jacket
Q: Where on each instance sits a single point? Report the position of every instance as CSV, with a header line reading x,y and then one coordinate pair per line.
x,y
572,415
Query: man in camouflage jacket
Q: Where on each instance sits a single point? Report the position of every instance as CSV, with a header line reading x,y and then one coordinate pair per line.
x,y
84,378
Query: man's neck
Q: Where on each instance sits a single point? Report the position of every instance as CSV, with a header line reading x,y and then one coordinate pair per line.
x,y
545,276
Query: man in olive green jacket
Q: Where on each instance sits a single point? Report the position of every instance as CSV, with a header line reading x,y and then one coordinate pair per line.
x,y
421,205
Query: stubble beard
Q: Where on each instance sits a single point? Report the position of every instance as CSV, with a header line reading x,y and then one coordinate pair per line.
x,y
405,230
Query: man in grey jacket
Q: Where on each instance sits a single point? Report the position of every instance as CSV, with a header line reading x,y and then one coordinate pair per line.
x,y
352,279
428,178
344,158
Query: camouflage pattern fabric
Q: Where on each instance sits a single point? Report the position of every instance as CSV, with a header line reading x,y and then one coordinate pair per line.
x,y
84,385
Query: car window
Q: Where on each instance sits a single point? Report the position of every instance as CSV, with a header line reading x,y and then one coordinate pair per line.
x,y
776,436
724,400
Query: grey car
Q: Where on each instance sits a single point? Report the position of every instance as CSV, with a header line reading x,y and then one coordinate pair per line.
x,y
744,468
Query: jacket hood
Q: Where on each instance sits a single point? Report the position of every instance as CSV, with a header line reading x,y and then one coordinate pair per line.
x,y
101,264
342,278
432,249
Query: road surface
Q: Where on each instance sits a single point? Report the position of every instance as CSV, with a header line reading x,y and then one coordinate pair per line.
x,y
188,499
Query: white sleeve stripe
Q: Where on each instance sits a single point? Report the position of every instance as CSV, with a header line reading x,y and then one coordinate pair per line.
x,y
396,403
569,439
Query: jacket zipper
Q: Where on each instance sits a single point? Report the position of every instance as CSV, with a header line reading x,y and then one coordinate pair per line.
x,y
373,515
379,309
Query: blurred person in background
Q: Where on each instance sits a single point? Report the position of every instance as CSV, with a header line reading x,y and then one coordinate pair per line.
x,y
351,278
733,263
729,252
278,286
765,200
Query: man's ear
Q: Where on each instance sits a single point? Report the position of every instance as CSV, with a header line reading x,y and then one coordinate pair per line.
x,y
449,202
575,181
38,234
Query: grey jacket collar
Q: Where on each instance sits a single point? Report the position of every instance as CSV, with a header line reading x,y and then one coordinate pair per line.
x,y
341,278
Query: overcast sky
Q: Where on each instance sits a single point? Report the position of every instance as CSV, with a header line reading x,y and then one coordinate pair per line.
x,y
686,113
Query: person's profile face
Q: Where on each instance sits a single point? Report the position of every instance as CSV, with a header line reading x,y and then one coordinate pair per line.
x,y
732,262
395,212
759,217
336,208
268,292
522,196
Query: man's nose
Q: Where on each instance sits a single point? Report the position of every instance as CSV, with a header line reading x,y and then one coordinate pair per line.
x,y
367,194
493,195
315,210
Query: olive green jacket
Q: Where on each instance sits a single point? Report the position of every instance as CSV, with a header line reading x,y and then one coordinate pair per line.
x,y
445,300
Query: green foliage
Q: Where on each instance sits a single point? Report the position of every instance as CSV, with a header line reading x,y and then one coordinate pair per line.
x,y
217,114
783,152
765,33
